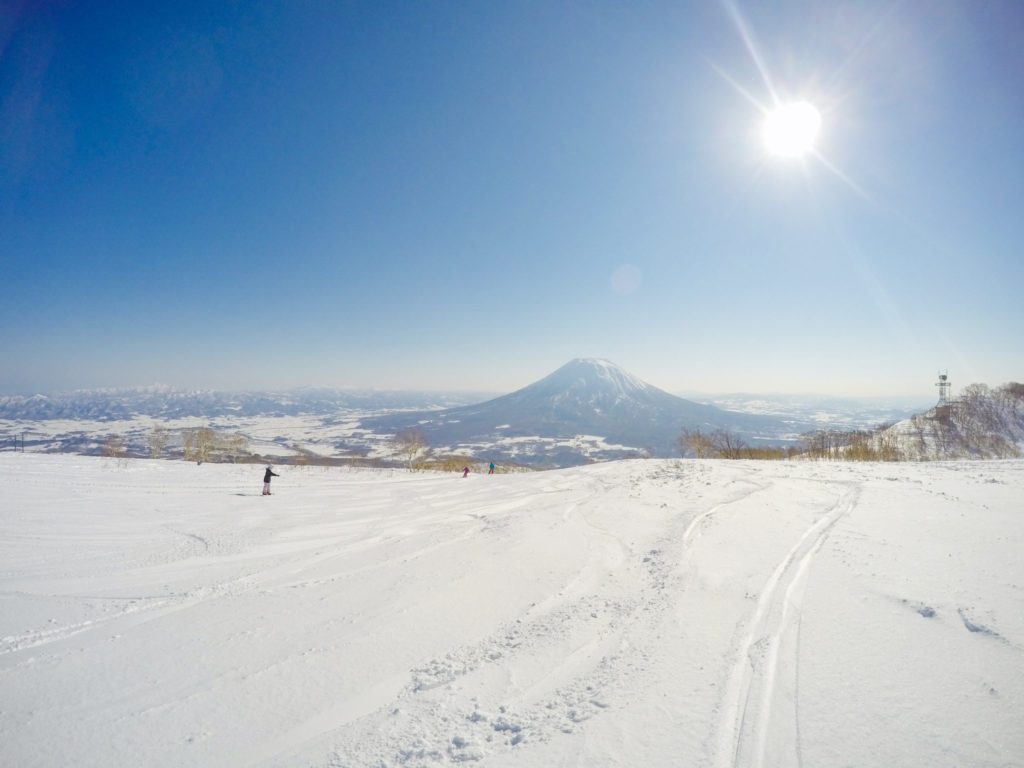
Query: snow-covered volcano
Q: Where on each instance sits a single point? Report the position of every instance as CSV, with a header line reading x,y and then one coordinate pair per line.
x,y
584,387
590,381
590,396
587,408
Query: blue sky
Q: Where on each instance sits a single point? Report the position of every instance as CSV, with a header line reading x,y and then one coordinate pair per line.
x,y
466,195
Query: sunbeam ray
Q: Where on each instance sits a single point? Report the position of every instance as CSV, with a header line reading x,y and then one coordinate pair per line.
x,y
748,40
842,176
739,88
861,45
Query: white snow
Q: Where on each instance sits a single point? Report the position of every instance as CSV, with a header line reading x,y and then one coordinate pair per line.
x,y
635,613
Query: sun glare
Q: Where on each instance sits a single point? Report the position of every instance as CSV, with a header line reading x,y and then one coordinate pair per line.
x,y
791,129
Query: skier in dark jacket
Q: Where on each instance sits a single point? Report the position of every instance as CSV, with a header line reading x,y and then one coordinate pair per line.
x,y
266,480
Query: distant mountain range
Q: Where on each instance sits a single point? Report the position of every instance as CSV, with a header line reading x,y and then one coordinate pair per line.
x,y
160,402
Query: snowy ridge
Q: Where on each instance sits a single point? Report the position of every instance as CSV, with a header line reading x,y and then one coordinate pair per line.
x,y
983,423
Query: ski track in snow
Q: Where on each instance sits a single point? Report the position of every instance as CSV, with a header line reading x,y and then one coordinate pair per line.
x,y
599,644
437,720
760,724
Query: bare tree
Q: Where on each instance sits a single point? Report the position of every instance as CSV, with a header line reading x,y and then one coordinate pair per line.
x,y
206,443
157,441
114,447
411,443
188,444
199,444
727,445
696,442
822,443
453,463
889,447
232,447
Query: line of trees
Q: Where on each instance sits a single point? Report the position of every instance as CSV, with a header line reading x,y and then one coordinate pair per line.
x,y
722,444
199,444
855,445
206,444
852,445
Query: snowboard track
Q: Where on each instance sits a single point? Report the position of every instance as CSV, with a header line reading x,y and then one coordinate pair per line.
x,y
752,725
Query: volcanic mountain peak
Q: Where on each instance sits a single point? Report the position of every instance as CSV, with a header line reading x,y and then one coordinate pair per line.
x,y
603,373
588,379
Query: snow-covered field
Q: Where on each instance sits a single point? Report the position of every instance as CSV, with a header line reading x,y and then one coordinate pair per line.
x,y
277,437
641,613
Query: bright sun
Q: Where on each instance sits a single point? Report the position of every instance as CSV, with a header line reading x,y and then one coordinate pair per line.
x,y
790,129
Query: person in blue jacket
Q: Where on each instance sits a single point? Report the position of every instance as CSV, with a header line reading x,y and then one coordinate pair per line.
x,y
266,480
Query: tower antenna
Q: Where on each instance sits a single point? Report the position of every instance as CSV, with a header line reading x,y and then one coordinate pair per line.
x,y
943,384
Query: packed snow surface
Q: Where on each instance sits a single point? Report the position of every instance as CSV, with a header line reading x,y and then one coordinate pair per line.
x,y
640,613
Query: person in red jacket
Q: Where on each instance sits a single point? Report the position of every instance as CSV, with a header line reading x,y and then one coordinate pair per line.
x,y
266,480
465,471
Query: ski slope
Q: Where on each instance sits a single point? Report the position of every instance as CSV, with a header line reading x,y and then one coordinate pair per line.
x,y
637,613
